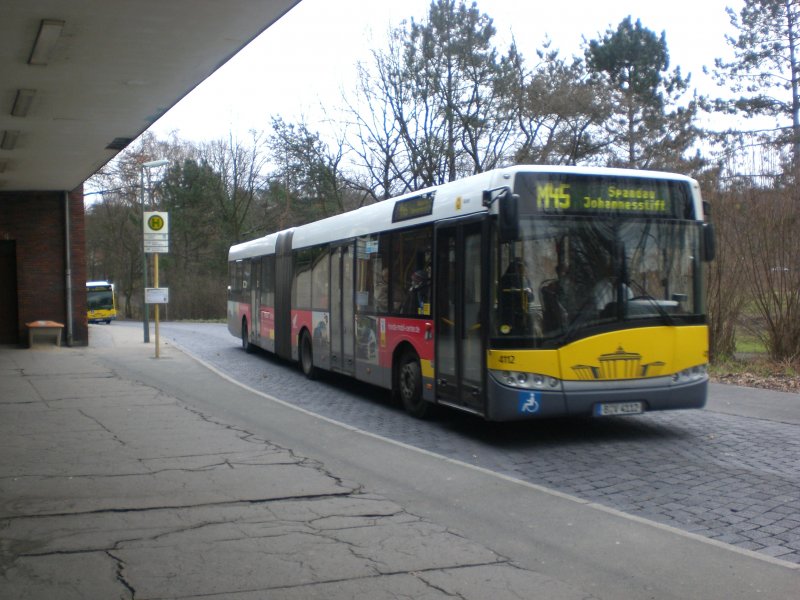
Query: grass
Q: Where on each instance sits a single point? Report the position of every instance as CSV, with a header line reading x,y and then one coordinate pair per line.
x,y
760,366
751,358
747,343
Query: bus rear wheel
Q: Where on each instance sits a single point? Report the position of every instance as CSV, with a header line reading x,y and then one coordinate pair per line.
x,y
307,357
246,345
409,386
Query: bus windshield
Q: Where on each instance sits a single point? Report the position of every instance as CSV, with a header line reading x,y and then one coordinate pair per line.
x,y
98,298
568,277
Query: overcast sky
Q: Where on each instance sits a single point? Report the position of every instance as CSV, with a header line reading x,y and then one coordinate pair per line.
x,y
308,58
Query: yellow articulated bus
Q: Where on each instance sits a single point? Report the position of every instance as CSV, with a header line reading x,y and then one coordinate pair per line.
x,y
519,293
101,302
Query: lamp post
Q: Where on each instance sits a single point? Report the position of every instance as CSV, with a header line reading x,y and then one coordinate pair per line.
x,y
145,312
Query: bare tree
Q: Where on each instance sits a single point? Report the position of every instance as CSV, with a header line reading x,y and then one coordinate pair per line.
x,y
309,173
765,70
773,254
559,110
240,169
436,104
114,220
378,136
113,243
726,284
459,83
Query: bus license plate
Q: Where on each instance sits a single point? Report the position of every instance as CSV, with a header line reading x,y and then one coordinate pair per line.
x,y
618,408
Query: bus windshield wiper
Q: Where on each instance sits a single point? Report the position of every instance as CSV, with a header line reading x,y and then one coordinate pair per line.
x,y
643,295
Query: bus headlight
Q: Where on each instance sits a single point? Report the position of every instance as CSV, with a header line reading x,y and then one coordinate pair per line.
x,y
528,381
691,374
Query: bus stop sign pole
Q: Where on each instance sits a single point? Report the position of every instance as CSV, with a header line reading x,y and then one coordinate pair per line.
x,y
156,241
155,282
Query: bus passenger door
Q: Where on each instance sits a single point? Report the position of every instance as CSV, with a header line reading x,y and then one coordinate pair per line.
x,y
342,316
255,300
459,284
283,295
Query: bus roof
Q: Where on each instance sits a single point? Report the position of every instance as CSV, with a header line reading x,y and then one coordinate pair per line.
x,y
457,198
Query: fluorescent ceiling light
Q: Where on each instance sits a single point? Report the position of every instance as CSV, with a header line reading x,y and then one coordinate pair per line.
x,y
9,139
22,103
49,32
155,163
119,143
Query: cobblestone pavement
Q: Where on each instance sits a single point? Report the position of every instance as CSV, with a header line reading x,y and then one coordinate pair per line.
x,y
729,478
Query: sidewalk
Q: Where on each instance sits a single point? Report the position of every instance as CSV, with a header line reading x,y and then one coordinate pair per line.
x,y
112,487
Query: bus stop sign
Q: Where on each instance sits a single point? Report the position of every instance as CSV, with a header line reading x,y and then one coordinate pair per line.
x,y
156,232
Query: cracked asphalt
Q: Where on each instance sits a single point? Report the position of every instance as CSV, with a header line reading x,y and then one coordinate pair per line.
x,y
113,488
123,476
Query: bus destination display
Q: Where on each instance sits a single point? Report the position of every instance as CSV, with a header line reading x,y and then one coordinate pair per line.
x,y
580,195
413,208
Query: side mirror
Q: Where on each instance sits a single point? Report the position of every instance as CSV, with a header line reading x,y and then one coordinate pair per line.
x,y
709,242
508,216
507,212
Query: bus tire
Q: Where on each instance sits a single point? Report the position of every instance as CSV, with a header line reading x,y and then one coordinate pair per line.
x,y
307,357
409,386
246,345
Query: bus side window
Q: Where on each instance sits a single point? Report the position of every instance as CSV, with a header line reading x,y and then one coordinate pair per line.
x,y
237,272
268,279
381,285
397,287
320,279
412,252
245,275
255,276
366,250
301,283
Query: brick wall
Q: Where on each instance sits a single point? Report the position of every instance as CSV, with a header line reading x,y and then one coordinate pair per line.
x,y
35,220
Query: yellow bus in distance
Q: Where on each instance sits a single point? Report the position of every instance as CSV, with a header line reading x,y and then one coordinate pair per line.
x,y
101,302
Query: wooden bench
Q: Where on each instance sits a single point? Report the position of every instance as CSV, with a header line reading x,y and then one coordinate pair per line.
x,y
45,329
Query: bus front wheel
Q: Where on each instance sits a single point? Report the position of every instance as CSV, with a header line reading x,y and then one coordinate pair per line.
x,y
409,386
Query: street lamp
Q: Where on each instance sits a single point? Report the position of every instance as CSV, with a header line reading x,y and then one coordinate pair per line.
x,y
145,312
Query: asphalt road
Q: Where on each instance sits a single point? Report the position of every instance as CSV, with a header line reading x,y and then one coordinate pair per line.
x,y
730,473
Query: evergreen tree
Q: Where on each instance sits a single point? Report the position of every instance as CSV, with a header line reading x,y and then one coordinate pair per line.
x,y
647,128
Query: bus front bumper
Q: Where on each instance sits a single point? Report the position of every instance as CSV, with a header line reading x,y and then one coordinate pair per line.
x,y
579,398
101,319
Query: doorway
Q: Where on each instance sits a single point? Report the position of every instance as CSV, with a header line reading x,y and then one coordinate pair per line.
x,y
9,328
460,307
342,316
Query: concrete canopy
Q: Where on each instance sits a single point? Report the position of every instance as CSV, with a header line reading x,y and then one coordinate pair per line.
x,y
109,70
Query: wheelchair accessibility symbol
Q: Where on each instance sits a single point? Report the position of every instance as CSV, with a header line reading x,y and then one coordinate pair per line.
x,y
530,402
